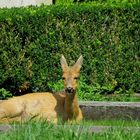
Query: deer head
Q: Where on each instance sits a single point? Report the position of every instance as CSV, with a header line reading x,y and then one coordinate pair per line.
x,y
70,74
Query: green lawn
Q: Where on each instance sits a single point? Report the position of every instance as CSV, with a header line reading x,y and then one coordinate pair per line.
x,y
47,131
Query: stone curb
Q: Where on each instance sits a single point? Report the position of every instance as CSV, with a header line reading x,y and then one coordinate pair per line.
x,y
110,110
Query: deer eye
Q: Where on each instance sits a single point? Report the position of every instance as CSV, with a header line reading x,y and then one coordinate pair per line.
x,y
63,78
75,78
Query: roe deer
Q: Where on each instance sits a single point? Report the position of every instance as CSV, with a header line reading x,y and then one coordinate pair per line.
x,y
47,105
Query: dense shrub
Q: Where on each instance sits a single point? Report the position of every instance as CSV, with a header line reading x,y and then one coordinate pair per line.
x,y
107,1
32,40
4,94
97,1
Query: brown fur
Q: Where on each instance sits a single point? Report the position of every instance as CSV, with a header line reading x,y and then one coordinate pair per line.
x,y
46,105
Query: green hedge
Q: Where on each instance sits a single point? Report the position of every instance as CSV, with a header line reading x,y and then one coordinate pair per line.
x,y
32,40
105,1
97,1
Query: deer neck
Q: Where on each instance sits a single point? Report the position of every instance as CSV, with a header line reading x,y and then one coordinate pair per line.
x,y
71,106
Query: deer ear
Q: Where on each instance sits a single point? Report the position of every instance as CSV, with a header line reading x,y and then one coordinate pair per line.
x,y
63,62
79,63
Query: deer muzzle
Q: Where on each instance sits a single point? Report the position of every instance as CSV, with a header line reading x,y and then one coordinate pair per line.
x,y
69,90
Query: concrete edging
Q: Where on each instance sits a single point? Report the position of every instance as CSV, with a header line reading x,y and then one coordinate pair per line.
x,y
110,110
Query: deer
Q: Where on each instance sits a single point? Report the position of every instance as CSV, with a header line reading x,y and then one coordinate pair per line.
x,y
46,105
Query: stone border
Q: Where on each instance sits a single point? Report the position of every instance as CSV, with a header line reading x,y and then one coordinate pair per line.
x,y
110,110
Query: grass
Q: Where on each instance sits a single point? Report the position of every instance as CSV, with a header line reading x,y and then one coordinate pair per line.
x,y
43,130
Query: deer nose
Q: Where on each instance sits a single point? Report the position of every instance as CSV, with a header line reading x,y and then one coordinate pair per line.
x,y
69,90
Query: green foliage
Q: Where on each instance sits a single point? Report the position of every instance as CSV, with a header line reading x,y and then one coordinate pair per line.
x,y
32,40
4,94
57,86
109,1
63,1
96,92
100,2
132,1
